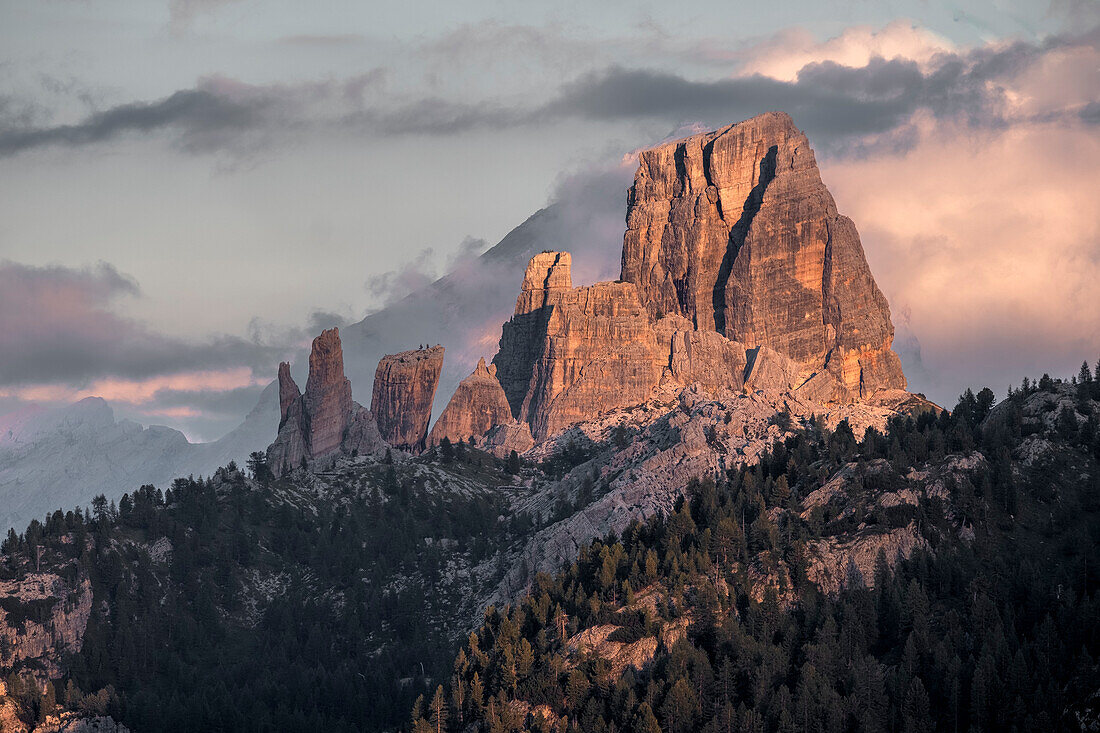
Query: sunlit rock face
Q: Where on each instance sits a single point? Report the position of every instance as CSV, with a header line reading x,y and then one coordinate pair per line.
x,y
327,399
547,277
325,420
571,353
404,389
735,231
477,406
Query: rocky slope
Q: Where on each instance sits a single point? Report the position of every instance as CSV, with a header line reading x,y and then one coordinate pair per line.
x,y
597,478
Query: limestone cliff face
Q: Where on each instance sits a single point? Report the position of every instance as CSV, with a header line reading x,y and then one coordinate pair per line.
x,y
28,636
735,231
571,353
288,390
327,399
324,421
477,406
737,273
547,277
705,357
404,389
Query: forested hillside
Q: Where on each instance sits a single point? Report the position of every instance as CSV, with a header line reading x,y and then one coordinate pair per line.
x,y
236,603
706,620
941,575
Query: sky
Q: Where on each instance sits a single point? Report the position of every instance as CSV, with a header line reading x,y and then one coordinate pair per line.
x,y
191,189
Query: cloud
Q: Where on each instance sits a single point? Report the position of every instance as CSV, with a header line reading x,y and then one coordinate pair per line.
x,y
421,271
858,84
987,245
59,329
839,104
323,40
137,391
182,13
203,120
789,51
219,114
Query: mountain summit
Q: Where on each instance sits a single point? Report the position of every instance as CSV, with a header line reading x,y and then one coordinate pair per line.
x,y
737,271
735,231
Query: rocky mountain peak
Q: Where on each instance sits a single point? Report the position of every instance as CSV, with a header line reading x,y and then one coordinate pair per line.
x,y
481,371
404,389
548,275
477,406
288,391
328,393
324,420
735,231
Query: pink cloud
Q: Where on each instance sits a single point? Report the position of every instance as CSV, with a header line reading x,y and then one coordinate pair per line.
x,y
989,241
784,55
138,392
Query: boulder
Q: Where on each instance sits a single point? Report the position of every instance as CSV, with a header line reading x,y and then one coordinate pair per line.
x,y
503,439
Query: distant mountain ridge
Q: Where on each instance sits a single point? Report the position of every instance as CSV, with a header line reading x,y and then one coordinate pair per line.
x,y
60,458
464,307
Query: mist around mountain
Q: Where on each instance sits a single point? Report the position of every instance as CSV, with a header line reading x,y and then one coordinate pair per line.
x,y
61,458
464,309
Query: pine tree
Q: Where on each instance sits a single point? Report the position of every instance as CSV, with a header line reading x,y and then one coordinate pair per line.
x,y
438,710
644,720
678,709
513,465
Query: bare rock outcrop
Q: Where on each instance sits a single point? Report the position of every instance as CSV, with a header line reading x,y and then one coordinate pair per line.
x,y
477,406
735,231
404,389
704,357
769,370
327,399
503,439
323,421
569,353
547,277
288,390
43,620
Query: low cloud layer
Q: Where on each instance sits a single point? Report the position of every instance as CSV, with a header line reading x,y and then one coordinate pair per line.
x,y
62,339
58,324
858,84
970,173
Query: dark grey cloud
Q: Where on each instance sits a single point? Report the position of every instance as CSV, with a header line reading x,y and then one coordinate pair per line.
x,y
203,120
831,100
836,104
57,325
1090,113
218,115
